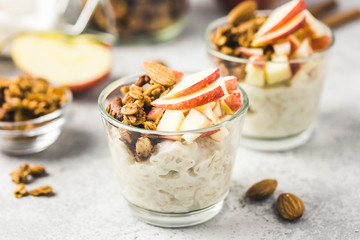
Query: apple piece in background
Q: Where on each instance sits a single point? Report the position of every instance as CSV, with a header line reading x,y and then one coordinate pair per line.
x,y
304,50
194,83
281,16
208,112
230,83
220,135
248,52
255,74
173,137
315,26
320,43
205,134
295,67
155,113
283,48
278,70
171,121
225,109
290,27
79,62
211,93
178,75
225,117
300,76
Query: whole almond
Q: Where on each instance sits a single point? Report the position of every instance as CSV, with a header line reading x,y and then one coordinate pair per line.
x,y
37,170
242,12
290,206
262,189
160,73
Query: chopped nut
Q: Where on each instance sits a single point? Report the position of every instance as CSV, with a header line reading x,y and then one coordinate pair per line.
x,y
41,191
149,125
37,170
144,79
124,90
19,175
143,148
114,109
20,190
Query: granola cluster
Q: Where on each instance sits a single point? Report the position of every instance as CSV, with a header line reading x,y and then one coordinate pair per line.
x,y
20,177
26,98
129,18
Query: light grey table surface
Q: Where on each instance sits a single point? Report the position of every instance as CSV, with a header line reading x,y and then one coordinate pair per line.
x,y
325,172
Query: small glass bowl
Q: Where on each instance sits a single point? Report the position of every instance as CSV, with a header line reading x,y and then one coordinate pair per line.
x,y
180,183
35,135
280,117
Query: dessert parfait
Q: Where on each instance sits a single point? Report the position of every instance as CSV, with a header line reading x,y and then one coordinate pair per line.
x,y
174,141
280,60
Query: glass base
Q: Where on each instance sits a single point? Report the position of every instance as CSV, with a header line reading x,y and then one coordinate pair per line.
x,y
175,220
280,144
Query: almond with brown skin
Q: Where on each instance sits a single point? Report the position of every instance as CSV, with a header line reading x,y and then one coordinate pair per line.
x,y
242,12
290,206
159,73
262,189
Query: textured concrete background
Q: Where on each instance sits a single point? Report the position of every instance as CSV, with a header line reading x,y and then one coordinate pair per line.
x,y
87,205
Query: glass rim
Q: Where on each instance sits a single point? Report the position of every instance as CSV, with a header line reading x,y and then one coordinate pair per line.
x,y
124,80
50,116
223,20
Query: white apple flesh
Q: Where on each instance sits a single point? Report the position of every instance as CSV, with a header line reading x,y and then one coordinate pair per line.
x,y
248,52
155,113
278,70
255,74
304,50
171,121
283,49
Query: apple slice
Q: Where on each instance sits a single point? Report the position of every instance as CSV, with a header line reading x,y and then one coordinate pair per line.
x,y
78,62
230,83
194,83
208,112
278,70
204,96
292,26
304,50
225,117
155,113
281,16
248,52
171,121
231,104
217,109
178,75
255,74
314,25
194,120
320,43
220,135
283,49
294,42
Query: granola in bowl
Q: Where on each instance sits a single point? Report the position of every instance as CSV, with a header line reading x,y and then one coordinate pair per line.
x,y
173,140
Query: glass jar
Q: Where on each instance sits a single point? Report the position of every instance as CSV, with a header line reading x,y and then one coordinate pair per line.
x,y
281,116
179,183
156,20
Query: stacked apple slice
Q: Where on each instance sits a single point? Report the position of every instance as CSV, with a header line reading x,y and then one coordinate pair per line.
x,y
293,33
198,101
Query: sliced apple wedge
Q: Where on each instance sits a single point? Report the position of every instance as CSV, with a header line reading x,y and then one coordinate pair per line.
x,y
220,135
255,74
194,83
178,75
281,16
320,43
202,97
304,50
171,121
314,25
155,113
294,42
278,70
194,120
225,117
208,112
292,26
75,61
283,49
231,104
230,83
248,52
217,109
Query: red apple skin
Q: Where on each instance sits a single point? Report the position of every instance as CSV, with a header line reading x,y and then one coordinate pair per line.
x,y
298,8
155,113
85,86
248,52
205,134
189,102
234,102
294,42
280,32
320,43
198,86
231,84
178,75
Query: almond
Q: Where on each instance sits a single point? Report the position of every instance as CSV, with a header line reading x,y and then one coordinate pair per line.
x,y
290,206
159,73
242,12
262,189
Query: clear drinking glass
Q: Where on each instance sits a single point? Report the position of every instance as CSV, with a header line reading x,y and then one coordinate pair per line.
x,y
280,117
179,184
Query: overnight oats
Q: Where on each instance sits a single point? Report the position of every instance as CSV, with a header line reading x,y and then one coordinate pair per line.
x,y
174,141
280,59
